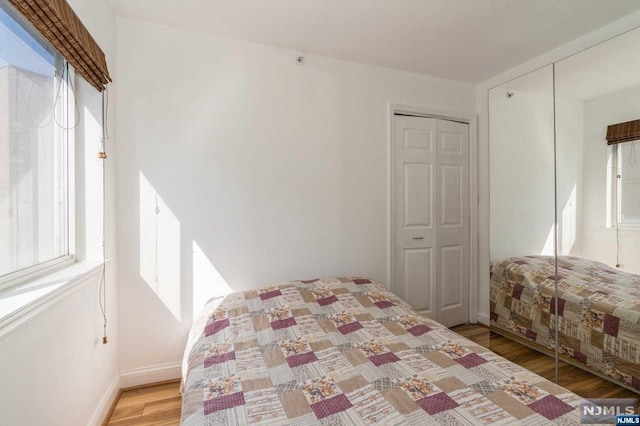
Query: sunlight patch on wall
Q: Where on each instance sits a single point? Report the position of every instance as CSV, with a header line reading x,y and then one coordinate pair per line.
x,y
207,281
159,247
92,177
548,249
611,200
569,219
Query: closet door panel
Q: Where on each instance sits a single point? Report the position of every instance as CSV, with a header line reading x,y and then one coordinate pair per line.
x,y
419,274
597,116
452,199
414,188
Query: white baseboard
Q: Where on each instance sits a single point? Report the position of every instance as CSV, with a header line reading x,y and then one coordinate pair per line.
x,y
483,318
133,377
102,409
151,374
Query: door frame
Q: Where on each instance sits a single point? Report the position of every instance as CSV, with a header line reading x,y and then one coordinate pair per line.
x,y
472,122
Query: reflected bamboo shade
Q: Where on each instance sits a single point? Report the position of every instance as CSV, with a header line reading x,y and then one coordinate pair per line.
x,y
60,25
623,132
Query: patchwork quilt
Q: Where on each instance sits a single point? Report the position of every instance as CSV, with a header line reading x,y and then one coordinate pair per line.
x,y
344,351
598,311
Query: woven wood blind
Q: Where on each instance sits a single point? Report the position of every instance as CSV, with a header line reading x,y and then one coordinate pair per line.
x,y
623,132
59,25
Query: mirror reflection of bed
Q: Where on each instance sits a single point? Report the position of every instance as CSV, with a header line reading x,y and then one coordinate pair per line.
x,y
565,213
597,306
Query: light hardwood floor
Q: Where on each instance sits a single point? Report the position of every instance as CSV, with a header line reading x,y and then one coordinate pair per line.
x,y
157,405
160,404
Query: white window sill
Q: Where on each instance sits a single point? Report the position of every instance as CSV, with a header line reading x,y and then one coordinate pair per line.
x,y
25,301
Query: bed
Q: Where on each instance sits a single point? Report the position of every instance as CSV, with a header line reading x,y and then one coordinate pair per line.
x,y
341,351
598,311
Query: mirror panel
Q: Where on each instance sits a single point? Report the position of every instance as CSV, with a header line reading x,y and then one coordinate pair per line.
x,y
598,200
522,245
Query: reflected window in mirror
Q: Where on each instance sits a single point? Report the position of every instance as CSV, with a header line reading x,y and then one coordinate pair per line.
x,y
623,180
627,184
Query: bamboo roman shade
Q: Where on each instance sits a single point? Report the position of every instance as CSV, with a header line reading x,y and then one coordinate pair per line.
x,y
623,132
59,25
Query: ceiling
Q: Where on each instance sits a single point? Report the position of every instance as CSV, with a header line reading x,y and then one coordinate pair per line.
x,y
464,40
609,67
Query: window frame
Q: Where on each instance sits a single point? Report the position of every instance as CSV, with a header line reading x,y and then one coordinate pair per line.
x,y
614,219
64,137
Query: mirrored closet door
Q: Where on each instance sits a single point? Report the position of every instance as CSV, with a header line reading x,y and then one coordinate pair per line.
x,y
522,284
597,103
565,213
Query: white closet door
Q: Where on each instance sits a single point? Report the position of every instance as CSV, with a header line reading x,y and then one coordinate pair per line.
x,y
452,219
414,203
431,217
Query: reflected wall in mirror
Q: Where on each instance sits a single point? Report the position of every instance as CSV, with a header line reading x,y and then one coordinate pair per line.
x,y
598,201
521,128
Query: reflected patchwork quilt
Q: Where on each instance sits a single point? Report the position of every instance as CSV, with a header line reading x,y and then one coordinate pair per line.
x,y
598,311
344,351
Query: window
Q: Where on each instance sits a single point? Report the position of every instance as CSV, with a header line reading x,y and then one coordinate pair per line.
x,y
628,184
624,185
34,154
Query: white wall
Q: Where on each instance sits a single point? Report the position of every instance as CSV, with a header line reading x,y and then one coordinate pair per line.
x,y
523,173
262,169
55,369
569,173
599,242
522,176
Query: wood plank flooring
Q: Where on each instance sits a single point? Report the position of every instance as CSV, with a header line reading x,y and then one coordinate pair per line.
x,y
150,405
160,404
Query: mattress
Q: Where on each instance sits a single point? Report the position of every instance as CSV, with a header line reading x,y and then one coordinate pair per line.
x,y
598,311
344,351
